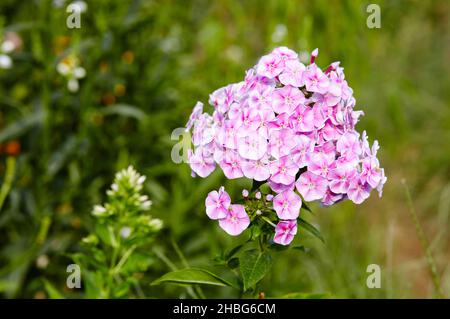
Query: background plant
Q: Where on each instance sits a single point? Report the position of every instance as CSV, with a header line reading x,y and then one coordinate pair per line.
x,y
118,250
145,62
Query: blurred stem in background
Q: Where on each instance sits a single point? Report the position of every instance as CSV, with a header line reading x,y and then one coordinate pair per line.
x,y
425,244
8,180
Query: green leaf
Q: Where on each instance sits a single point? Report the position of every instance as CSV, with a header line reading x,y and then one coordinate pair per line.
x,y
276,247
310,229
192,276
255,231
233,251
20,127
106,234
256,185
302,295
52,292
301,248
254,265
233,263
61,156
125,110
306,207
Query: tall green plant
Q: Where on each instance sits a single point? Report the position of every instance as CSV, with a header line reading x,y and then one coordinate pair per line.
x,y
116,253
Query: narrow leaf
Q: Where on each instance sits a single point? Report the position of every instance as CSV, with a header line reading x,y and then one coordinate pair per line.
x,y
310,229
192,276
20,127
125,110
233,251
306,207
52,292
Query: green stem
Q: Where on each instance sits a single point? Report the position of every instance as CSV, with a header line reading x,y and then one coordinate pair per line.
x,y
123,259
425,245
9,177
267,220
261,244
180,254
172,267
197,288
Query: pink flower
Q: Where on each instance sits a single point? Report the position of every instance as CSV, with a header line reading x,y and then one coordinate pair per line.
x,y
302,119
261,98
349,143
285,232
198,109
382,182
302,151
371,171
340,179
321,165
203,132
358,191
236,220
279,188
234,113
287,205
202,166
257,170
281,142
293,73
217,204
227,134
267,116
283,170
330,131
252,146
331,198
327,149
285,54
331,97
250,121
222,98
314,55
284,117
269,66
311,186
320,112
231,165
281,121
286,99
315,79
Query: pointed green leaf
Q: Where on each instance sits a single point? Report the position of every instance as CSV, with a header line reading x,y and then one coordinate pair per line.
x,y
254,265
233,252
125,110
306,207
192,276
52,292
310,229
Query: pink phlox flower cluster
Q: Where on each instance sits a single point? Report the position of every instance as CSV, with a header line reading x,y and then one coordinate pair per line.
x,y
292,126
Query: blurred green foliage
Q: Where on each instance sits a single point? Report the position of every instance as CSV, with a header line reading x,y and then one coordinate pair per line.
x,y
147,63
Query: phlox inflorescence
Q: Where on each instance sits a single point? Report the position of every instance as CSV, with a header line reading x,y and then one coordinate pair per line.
x,y
292,126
